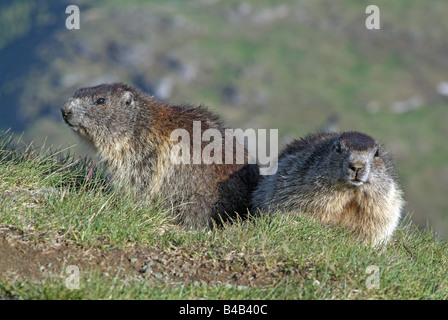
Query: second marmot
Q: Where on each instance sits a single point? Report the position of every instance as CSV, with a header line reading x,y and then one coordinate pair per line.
x,y
344,179
132,134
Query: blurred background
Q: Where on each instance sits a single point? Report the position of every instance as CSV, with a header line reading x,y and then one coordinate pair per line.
x,y
297,66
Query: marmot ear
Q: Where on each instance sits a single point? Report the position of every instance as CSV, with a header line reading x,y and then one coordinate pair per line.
x,y
127,98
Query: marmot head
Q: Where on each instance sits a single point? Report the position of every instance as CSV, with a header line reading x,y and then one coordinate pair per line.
x,y
357,159
102,113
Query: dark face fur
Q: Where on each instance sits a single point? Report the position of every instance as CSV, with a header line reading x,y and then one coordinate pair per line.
x,y
100,114
357,156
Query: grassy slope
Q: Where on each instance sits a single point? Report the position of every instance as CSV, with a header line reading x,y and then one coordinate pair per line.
x,y
51,197
291,73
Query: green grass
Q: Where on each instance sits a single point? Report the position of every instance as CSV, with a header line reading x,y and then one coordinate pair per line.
x,y
292,73
49,196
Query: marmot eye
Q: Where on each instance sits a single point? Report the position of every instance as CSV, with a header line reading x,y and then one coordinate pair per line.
x,y
377,153
338,148
101,101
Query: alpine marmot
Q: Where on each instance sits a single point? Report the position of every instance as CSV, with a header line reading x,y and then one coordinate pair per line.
x,y
345,179
131,132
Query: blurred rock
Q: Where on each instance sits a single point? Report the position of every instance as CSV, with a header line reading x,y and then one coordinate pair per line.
x,y
331,124
164,88
108,77
407,105
266,16
172,63
72,79
189,72
239,12
442,88
231,95
372,107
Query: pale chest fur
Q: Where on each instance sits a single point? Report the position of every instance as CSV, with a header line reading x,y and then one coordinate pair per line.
x,y
362,211
142,171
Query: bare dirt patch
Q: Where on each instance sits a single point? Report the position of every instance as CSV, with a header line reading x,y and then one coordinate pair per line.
x,y
24,258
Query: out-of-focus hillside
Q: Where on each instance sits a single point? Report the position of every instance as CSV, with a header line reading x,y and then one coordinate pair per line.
x,y
296,66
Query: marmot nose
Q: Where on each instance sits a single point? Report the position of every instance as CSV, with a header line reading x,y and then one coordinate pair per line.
x,y
66,112
356,166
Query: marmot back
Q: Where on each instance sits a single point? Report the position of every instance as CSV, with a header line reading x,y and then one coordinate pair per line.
x,y
344,179
132,134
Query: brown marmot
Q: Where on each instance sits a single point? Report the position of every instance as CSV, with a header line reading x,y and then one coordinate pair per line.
x,y
345,179
131,133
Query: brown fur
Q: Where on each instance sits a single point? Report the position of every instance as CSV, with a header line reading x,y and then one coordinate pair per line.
x,y
131,132
342,179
